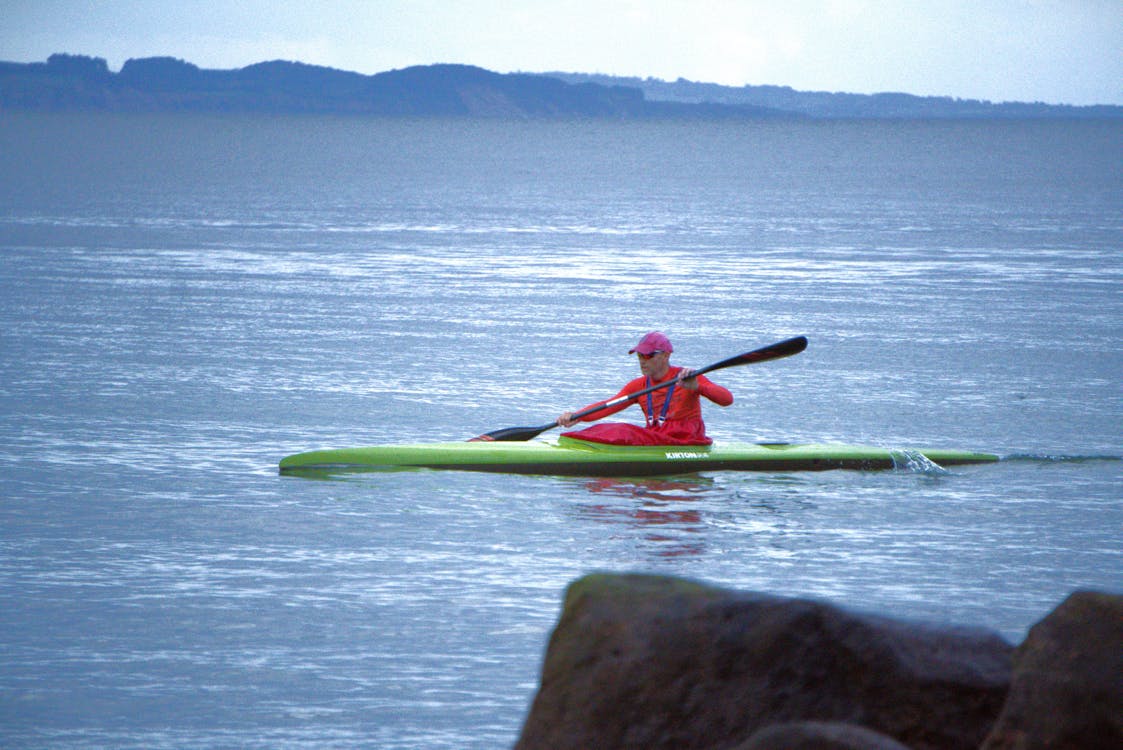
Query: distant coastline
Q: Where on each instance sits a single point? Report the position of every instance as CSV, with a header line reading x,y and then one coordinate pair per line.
x,y
836,105
69,83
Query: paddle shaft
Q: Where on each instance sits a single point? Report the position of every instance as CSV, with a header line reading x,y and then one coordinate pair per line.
x,y
785,348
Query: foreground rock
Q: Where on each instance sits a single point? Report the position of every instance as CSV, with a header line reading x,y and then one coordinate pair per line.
x,y
651,662
1067,689
819,735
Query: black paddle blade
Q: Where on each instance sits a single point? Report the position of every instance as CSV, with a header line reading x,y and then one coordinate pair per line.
x,y
784,348
514,434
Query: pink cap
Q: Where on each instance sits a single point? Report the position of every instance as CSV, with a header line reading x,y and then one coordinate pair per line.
x,y
653,342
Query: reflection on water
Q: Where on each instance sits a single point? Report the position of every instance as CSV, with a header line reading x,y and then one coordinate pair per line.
x,y
655,508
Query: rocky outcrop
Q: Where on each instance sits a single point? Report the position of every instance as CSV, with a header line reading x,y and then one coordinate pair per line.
x,y
819,735
1067,687
652,662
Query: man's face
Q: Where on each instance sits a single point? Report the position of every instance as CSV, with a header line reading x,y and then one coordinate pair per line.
x,y
654,365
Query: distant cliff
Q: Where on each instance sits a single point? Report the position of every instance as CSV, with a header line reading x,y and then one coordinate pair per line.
x,y
164,84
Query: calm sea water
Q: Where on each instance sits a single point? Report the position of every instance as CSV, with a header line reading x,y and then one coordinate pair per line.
x,y
184,301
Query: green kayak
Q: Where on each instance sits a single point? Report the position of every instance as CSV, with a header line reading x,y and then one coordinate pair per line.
x,y
572,457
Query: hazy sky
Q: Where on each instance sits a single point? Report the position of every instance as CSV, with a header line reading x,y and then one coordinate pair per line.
x,y
1057,51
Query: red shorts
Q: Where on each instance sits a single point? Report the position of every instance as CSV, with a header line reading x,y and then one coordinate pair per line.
x,y
620,433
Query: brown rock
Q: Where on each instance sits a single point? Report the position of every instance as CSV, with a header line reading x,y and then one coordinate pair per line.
x,y
1067,686
651,662
819,735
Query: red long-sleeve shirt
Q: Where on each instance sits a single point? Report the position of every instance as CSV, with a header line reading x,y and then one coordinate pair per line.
x,y
682,422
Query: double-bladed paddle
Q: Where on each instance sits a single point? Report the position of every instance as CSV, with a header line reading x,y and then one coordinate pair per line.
x,y
784,348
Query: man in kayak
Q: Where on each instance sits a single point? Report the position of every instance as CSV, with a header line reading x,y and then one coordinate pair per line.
x,y
674,413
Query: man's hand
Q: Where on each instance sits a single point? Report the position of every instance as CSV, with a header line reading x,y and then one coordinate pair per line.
x,y
685,379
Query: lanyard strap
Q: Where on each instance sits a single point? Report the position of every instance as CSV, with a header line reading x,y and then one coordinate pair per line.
x,y
652,420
